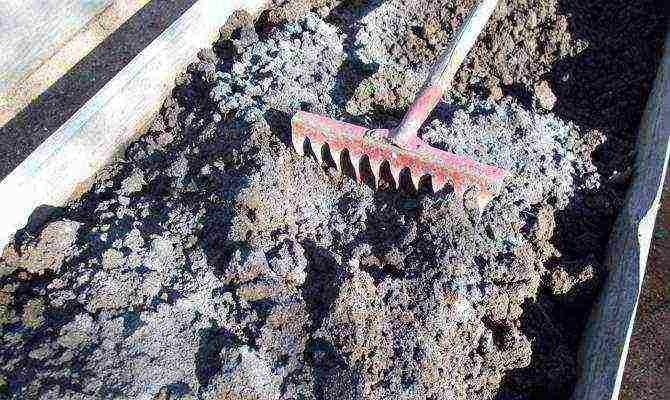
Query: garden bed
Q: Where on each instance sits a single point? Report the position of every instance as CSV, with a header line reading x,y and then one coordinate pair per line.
x,y
212,260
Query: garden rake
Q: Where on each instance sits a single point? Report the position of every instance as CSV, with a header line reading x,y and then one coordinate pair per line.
x,y
401,147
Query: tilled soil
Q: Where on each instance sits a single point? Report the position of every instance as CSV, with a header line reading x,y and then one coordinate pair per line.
x,y
213,261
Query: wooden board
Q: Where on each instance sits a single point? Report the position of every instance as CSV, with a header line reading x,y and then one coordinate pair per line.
x,y
605,346
41,40
85,143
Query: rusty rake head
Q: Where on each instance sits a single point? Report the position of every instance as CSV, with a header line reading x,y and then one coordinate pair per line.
x,y
325,134
401,148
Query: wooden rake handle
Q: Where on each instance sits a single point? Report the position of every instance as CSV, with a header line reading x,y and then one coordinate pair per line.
x,y
443,73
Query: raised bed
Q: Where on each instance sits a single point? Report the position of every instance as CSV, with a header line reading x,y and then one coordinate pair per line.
x,y
63,166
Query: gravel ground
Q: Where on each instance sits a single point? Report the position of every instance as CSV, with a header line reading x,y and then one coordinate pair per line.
x,y
213,262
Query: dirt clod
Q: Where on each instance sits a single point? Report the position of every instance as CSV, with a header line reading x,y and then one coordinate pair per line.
x,y
46,252
544,97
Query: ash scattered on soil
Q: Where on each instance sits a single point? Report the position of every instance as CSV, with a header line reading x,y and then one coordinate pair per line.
x,y
214,262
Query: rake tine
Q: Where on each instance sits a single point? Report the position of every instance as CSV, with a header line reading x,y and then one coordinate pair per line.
x,y
395,173
356,163
317,150
376,168
416,179
298,143
483,199
337,158
438,183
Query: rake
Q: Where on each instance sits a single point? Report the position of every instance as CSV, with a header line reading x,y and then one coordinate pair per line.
x,y
401,148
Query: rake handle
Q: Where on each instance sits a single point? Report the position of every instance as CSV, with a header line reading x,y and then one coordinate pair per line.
x,y
443,73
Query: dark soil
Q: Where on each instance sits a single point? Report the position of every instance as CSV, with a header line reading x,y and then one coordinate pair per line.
x,y
212,261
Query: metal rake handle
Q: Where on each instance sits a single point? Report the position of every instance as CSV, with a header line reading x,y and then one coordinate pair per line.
x,y
443,73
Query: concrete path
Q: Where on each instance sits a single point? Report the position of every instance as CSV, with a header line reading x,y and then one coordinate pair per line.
x,y
55,106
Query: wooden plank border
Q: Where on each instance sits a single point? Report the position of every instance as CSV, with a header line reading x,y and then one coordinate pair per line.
x,y
65,161
607,336
67,42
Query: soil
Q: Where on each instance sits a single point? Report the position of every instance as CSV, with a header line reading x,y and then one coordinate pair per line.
x,y
214,262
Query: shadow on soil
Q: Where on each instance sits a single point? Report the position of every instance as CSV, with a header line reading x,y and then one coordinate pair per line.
x,y
331,375
604,88
45,328
208,359
353,70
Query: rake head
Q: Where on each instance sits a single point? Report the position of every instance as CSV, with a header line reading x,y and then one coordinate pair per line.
x,y
376,145
401,148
